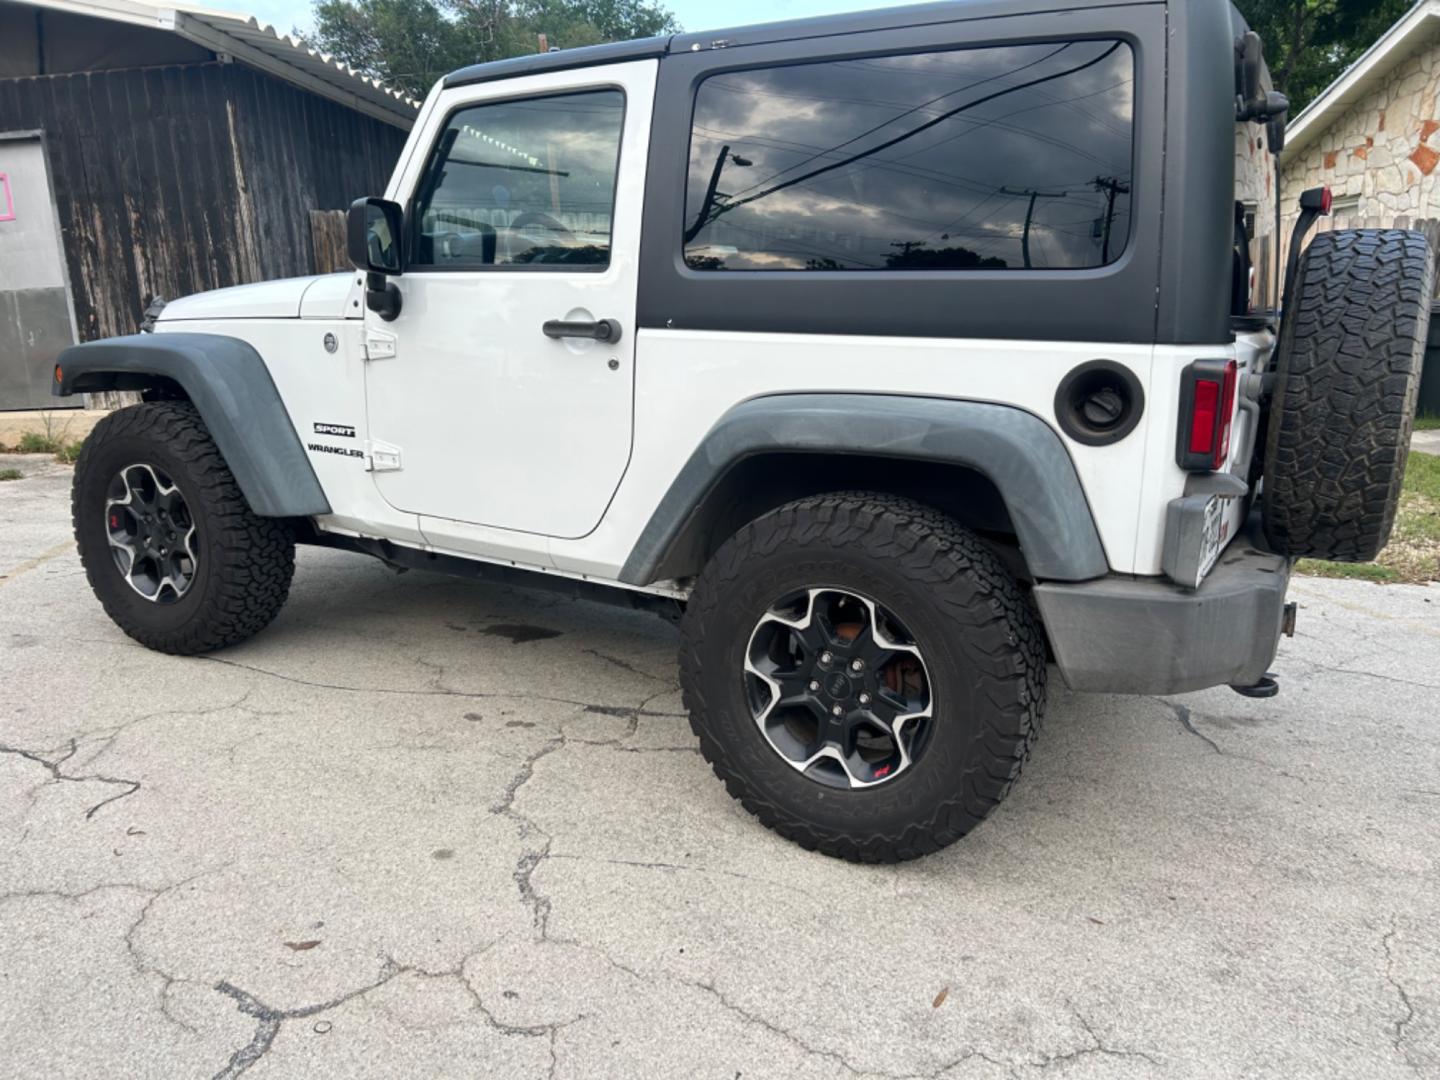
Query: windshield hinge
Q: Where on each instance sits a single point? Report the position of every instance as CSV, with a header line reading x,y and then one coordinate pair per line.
x,y
380,345
381,456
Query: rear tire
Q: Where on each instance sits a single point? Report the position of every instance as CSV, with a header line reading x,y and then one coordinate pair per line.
x,y
242,563
981,653
1347,377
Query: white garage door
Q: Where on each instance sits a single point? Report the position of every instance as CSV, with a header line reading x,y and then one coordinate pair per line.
x,y
36,319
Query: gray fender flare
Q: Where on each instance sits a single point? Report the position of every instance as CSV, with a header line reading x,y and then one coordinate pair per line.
x,y
1019,453
231,387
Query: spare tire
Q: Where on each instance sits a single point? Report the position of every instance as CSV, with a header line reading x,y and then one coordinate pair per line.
x,y
1347,374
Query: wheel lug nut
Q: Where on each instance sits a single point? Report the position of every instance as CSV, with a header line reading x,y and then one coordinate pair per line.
x,y
825,657
864,699
857,665
837,711
814,685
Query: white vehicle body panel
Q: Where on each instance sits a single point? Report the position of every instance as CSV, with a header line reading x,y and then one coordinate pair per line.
x,y
263,300
334,296
521,432
326,389
687,380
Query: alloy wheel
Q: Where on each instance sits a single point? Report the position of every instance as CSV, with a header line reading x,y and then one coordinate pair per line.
x,y
151,532
838,688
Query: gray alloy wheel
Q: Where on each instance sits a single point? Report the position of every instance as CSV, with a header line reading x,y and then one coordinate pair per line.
x,y
152,533
838,688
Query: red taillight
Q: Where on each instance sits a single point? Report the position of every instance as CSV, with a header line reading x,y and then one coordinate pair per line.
x,y
1207,402
1202,416
1227,413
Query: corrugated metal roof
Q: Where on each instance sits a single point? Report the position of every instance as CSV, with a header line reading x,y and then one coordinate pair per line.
x,y
245,40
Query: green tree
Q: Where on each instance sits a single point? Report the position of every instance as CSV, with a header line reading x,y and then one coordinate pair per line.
x,y
408,44
1308,43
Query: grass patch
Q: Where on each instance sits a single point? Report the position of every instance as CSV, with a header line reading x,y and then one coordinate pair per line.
x,y
1422,475
1427,423
33,442
67,454
1413,553
11,474
1362,571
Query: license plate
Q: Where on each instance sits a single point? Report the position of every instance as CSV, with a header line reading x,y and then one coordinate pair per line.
x,y
1214,534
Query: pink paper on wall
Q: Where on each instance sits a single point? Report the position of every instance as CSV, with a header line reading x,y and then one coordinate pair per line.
x,y
7,204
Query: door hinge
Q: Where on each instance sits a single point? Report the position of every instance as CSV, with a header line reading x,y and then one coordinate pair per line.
x,y
379,345
381,456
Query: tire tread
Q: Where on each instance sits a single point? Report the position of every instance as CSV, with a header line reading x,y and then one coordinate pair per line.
x,y
991,615
253,557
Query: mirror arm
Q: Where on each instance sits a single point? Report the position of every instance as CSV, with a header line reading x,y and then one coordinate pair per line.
x,y
382,297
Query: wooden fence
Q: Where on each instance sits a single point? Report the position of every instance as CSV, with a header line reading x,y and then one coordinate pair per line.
x,y
327,237
1262,256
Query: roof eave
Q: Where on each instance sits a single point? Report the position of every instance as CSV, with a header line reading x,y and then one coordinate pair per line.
x,y
267,50
1397,44
379,103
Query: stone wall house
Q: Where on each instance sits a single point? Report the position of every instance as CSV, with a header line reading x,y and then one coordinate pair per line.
x,y
1373,136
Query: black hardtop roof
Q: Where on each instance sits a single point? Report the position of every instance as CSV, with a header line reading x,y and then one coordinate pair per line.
x,y
791,30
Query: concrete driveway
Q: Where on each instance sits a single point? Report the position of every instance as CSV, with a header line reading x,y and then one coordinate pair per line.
x,y
427,828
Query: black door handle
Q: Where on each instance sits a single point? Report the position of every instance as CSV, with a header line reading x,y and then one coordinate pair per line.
x,y
599,330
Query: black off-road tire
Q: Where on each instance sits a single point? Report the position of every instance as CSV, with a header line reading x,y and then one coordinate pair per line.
x,y
244,562
985,657
1347,377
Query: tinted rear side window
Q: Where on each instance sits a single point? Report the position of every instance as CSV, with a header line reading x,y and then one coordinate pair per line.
x,y
994,158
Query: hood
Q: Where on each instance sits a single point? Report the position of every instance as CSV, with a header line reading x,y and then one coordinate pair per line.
x,y
322,297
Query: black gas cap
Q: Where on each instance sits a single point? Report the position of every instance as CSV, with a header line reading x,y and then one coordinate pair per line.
x,y
1099,402
1103,407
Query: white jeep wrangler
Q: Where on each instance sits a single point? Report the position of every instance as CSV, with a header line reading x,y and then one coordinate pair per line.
x,y
895,354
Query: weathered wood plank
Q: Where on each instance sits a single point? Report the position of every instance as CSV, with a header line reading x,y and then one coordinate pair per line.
x,y
179,179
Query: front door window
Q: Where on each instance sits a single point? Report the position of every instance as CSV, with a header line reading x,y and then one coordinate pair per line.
x,y
522,184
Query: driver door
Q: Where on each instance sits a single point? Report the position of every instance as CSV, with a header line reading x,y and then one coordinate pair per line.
x,y
495,397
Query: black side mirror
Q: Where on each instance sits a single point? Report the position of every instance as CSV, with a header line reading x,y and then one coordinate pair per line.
x,y
373,241
372,235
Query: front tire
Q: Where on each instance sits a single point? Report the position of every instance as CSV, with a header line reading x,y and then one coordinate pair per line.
x,y
790,647
170,546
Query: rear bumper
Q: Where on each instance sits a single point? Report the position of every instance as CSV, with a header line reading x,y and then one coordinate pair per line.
x,y
1125,635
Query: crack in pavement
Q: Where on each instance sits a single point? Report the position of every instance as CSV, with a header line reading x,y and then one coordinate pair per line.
x,y
138,962
1182,714
53,767
132,951
60,894
664,866
1362,673
624,665
270,1019
531,857
433,691
106,736
1401,1023
788,1036
1099,1046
